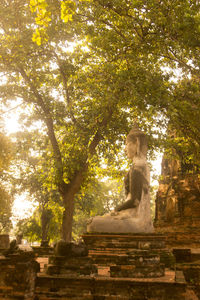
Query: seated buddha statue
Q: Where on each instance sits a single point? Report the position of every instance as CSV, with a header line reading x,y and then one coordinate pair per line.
x,y
133,215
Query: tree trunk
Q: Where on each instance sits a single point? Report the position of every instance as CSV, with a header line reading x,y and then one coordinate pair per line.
x,y
67,220
45,220
68,192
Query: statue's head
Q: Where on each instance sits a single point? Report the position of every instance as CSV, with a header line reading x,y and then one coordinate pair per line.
x,y
136,143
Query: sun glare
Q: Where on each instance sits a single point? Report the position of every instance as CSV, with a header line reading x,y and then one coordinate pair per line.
x,y
22,208
11,124
10,116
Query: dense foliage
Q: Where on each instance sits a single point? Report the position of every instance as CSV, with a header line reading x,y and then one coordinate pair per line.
x,y
45,224
79,103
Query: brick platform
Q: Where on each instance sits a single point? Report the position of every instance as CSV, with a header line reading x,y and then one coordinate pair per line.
x,y
86,288
128,255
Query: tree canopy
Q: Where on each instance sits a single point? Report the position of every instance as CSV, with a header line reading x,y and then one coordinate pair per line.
x,y
154,42
79,103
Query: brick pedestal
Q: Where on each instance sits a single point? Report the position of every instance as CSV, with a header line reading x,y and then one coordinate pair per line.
x,y
128,255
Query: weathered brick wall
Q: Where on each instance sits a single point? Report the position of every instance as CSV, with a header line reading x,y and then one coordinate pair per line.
x,y
17,276
178,208
87,288
178,201
19,280
4,242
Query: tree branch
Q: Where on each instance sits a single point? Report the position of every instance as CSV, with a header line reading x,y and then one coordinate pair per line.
x,y
65,85
49,123
119,13
79,175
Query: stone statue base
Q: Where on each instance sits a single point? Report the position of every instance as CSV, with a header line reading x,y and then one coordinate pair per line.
x,y
129,255
125,221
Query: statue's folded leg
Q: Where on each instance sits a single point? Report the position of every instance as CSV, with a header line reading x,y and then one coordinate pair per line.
x,y
127,204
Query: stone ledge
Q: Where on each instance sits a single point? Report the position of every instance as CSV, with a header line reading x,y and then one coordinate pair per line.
x,y
124,241
123,235
110,288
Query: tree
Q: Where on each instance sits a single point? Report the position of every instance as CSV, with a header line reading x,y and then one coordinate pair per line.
x,y
84,101
99,199
5,196
39,227
80,103
32,177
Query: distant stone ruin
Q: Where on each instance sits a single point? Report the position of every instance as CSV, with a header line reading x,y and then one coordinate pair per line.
x,y
178,204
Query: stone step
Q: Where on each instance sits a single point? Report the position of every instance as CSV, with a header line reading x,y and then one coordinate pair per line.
x,y
69,261
111,297
63,287
117,251
129,245
82,297
182,254
63,295
124,241
191,272
179,276
127,271
142,259
10,293
71,269
195,257
43,251
60,287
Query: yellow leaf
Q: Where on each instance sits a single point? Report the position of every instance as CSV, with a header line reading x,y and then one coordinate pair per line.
x,y
37,38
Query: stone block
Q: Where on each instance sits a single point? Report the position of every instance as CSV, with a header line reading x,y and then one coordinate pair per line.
x,y
191,273
43,251
71,266
65,261
182,255
4,241
179,276
150,271
144,245
167,258
17,276
147,260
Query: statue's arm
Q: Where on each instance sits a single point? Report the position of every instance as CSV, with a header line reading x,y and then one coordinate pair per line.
x,y
133,190
126,184
136,181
